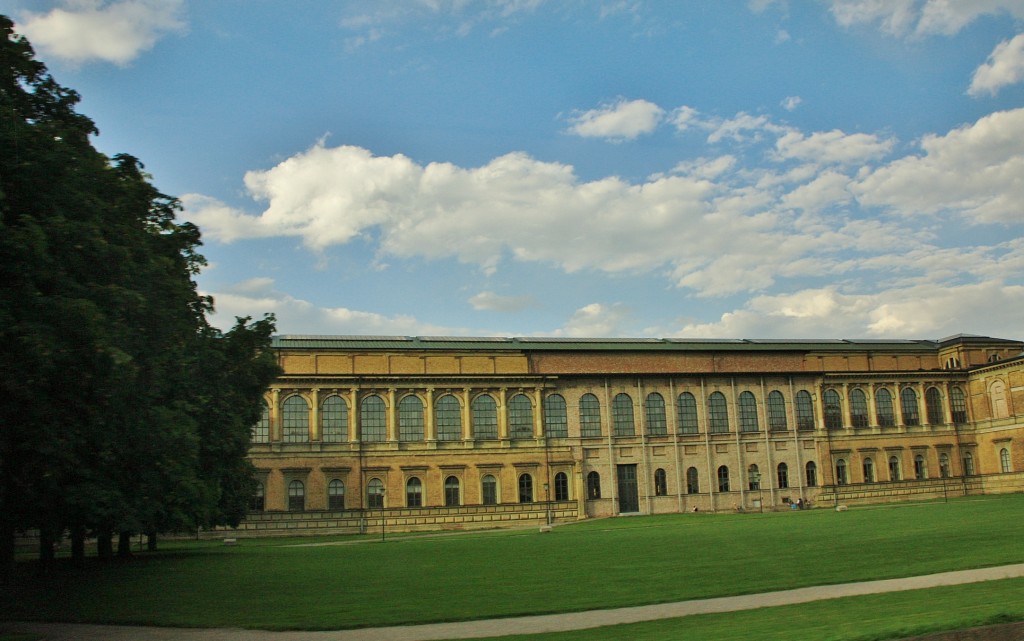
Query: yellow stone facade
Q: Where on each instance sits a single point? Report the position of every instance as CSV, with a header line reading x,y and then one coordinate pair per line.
x,y
396,433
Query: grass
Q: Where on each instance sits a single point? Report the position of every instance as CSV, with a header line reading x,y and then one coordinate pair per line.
x,y
273,584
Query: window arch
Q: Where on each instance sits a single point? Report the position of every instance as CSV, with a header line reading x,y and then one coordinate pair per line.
x,y
804,410
883,408
335,495
261,430
296,496
920,467
485,417
375,494
410,418
748,412
933,406
622,415
869,470
944,465
525,488
718,413
858,407
373,419
833,409
451,492
753,477
841,476
660,482
811,473
489,489
295,419
692,481
657,424
561,487
997,395
258,502
723,478
593,485
556,419
968,464
334,419
952,363
777,412
782,472
590,416
414,492
958,405
895,473
1004,461
686,413
520,417
908,405
448,418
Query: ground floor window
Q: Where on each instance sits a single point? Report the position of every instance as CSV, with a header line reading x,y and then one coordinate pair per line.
x,y
593,485
561,487
490,490
296,496
783,474
258,503
451,491
869,471
894,469
414,492
525,488
723,479
375,494
335,495
1004,460
811,471
692,481
660,482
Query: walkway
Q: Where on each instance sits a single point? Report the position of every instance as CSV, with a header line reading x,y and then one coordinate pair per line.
x,y
524,625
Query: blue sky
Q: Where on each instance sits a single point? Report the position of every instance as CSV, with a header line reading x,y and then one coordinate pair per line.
x,y
763,169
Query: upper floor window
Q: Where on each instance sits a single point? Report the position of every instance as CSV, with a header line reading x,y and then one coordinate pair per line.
x,y
997,395
556,420
410,418
622,415
777,412
520,417
718,413
952,363
804,411
657,425
373,419
884,409
908,405
686,413
448,418
590,416
261,430
748,412
858,408
295,419
958,405
833,409
485,417
334,419
933,406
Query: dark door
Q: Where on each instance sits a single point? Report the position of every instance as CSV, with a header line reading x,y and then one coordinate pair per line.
x,y
629,501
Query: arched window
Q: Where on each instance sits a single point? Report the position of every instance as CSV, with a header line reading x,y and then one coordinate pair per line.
x,y
489,487
811,473
944,465
804,411
410,418
485,417
858,408
753,477
692,481
686,413
448,418
414,492
622,415
908,404
295,419
841,477
833,409
657,425
296,496
556,420
590,416
920,467
869,470
561,487
261,430
952,363
895,474
958,405
723,478
334,419
520,417
968,464
375,494
1004,461
258,502
777,412
997,396
782,472
748,412
451,492
718,413
660,482
593,485
373,419
883,408
933,406
525,488
335,495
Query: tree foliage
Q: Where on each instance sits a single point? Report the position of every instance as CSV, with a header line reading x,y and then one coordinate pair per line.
x,y
123,409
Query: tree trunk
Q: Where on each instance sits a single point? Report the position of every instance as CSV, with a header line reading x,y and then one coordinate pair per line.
x,y
124,545
105,545
46,553
151,541
78,545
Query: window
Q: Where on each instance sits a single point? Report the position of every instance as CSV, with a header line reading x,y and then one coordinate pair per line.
x,y
883,408
660,482
485,417
895,474
692,481
295,420
841,478
525,488
833,409
593,485
373,419
811,473
489,485
804,411
869,470
410,418
335,495
296,496
858,408
718,413
520,417
622,415
908,405
561,487
590,416
556,421
1004,461
952,363
933,406
258,503
782,472
375,494
944,465
686,413
334,419
451,491
753,477
997,396
748,412
261,430
777,412
920,468
723,479
657,425
448,418
414,492
958,405
968,464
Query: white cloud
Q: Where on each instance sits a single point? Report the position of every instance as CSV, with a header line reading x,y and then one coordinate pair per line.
x,y
620,120
94,30
489,301
742,128
1005,66
831,147
920,18
596,320
790,103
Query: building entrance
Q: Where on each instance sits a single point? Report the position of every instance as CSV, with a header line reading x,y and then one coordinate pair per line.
x,y
629,501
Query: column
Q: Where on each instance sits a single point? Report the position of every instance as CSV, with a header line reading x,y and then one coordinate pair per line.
x,y
467,415
314,415
502,414
392,416
354,433
275,414
429,428
538,416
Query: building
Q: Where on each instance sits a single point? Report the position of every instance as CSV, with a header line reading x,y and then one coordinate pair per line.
x,y
414,433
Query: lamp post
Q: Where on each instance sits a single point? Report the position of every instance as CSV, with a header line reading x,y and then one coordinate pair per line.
x,y
755,480
547,502
382,490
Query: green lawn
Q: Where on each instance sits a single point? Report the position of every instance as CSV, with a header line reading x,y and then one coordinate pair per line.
x,y
271,584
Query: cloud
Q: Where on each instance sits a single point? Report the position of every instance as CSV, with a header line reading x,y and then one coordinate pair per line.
x,y
596,320
93,30
917,18
1005,66
617,121
791,103
491,302
831,147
